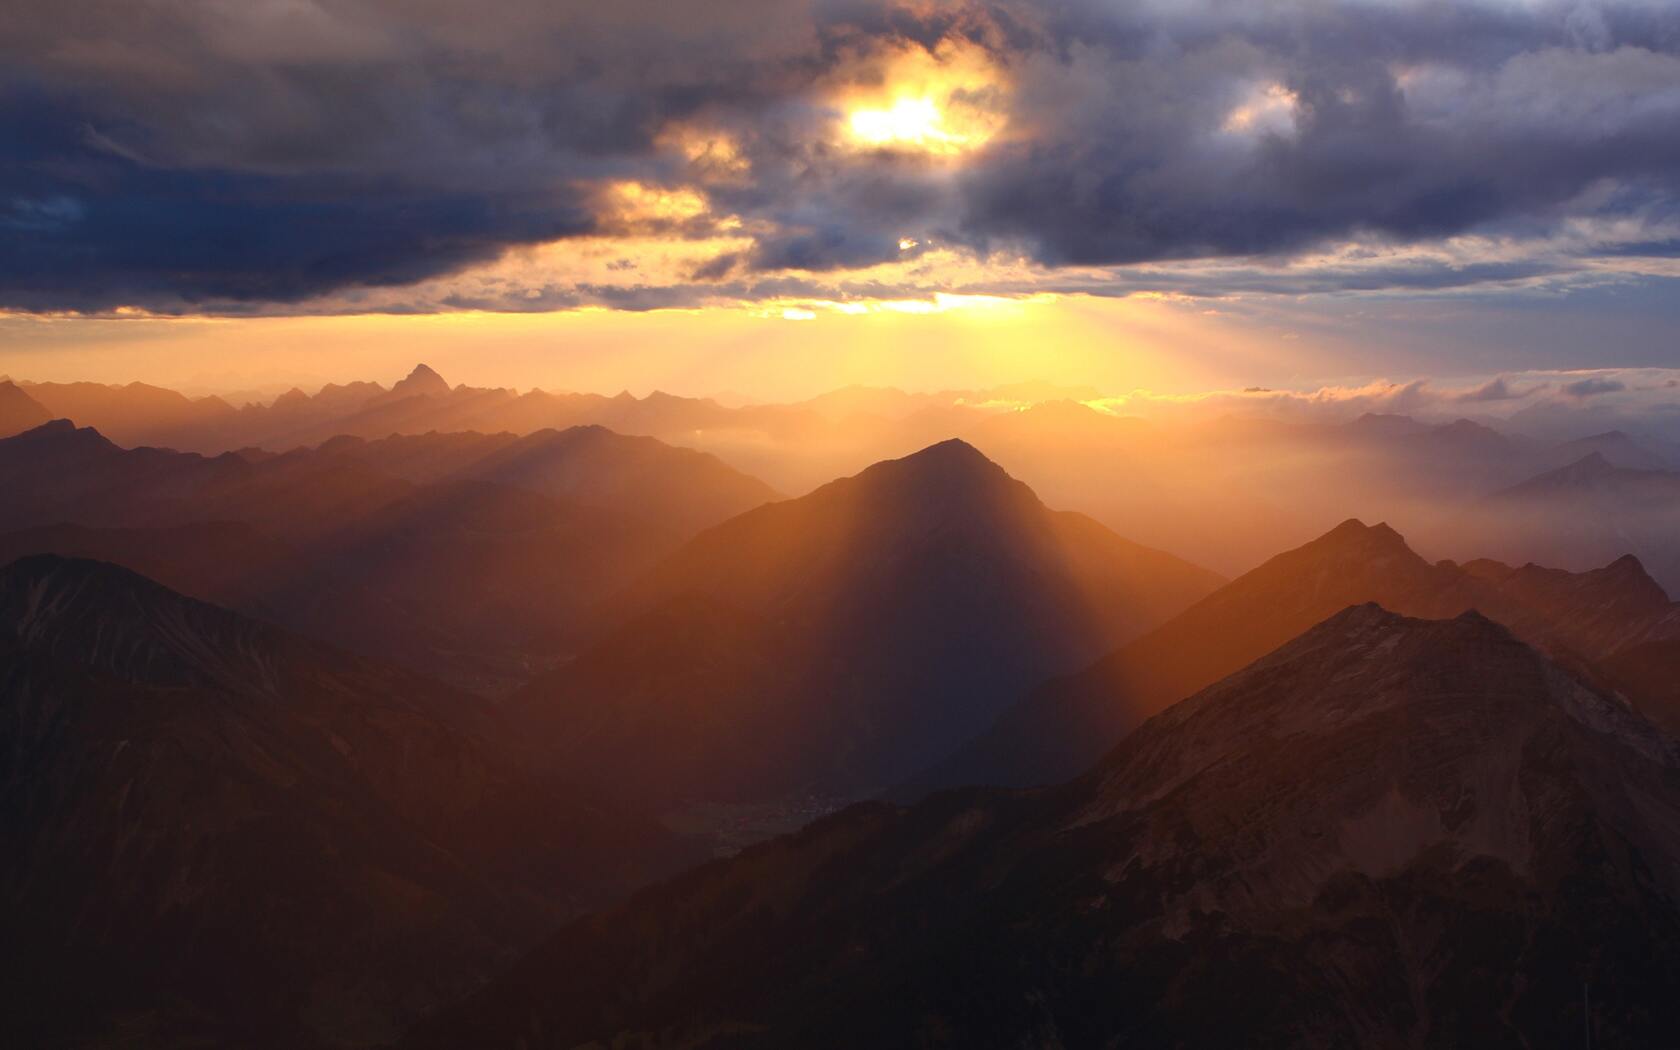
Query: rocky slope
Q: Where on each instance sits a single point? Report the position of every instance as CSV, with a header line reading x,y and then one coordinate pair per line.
x,y
218,830
1389,833
1064,725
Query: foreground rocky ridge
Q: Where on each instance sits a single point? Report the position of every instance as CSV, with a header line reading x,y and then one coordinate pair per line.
x,y
1390,832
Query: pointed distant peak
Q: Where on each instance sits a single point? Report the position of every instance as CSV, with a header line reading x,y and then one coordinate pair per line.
x,y
422,380
294,396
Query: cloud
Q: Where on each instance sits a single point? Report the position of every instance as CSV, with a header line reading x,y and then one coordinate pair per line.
x,y
1546,404
1593,386
263,156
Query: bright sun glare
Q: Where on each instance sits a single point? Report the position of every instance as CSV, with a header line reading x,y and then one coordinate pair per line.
x,y
908,122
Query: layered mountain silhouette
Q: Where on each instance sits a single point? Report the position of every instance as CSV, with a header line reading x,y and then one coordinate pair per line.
x,y
132,413
839,641
1389,832
1064,725
1170,482
1584,513
219,832
19,411
681,488
457,554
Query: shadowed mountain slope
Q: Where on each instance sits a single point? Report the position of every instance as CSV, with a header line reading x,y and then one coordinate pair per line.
x,y
839,641
1389,833
19,411
1065,724
216,830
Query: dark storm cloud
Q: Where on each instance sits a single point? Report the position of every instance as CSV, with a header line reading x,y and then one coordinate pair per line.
x,y
196,153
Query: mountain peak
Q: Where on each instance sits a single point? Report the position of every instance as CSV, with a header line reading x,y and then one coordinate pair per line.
x,y
1591,461
61,432
949,468
422,381
953,451
1387,424
1354,534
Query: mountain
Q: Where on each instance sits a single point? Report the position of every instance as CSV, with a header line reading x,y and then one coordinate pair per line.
x,y
133,413
1649,675
457,575
421,382
1615,447
1584,513
1066,724
590,465
839,641
1390,832
19,411
219,831
61,472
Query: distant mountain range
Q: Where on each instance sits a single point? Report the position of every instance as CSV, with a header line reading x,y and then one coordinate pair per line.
x,y
220,833
1389,832
836,641
1585,513
1170,483
459,554
1066,724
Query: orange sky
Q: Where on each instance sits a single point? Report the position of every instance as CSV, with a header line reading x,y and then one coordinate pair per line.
x,y
1113,345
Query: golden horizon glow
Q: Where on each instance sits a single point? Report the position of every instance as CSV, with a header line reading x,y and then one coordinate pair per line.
x,y
800,349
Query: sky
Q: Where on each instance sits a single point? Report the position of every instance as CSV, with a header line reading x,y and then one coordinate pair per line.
x,y
775,197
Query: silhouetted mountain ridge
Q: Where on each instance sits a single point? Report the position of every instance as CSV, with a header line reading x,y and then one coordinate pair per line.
x,y
873,620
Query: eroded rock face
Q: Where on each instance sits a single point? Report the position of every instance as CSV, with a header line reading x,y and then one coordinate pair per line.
x,y
1390,832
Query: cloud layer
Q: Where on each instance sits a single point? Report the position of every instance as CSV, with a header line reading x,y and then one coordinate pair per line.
x,y
315,155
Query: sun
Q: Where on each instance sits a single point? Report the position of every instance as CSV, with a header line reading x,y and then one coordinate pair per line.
x,y
915,122
944,102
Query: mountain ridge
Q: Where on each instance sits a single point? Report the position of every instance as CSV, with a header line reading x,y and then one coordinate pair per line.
x,y
1276,836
